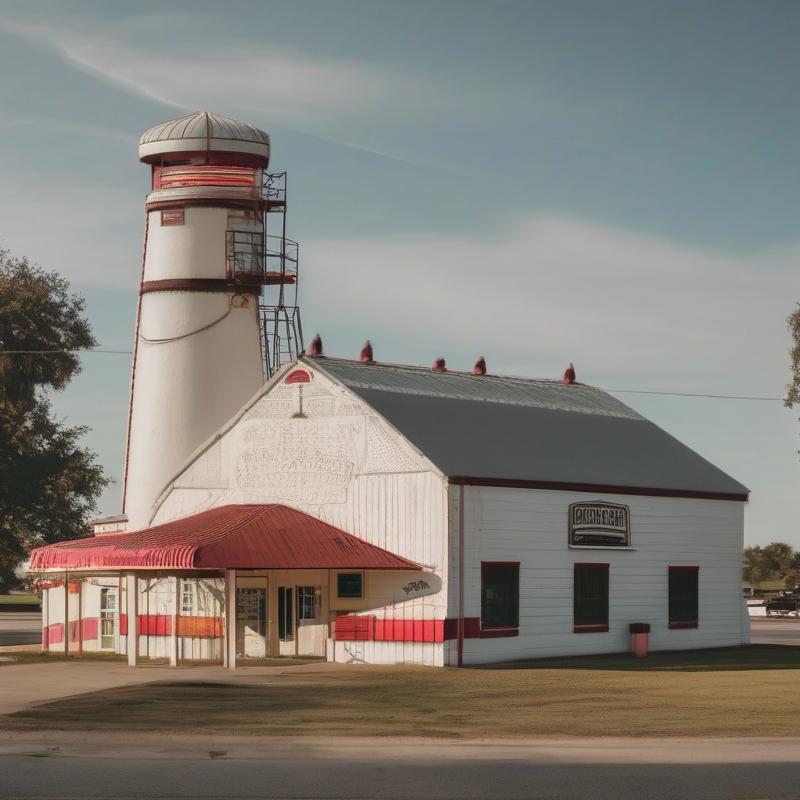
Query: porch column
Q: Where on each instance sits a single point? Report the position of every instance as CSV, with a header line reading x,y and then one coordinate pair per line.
x,y
66,611
79,621
132,597
45,618
229,641
173,650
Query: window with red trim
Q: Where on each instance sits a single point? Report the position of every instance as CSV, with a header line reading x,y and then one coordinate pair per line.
x,y
590,598
683,596
499,595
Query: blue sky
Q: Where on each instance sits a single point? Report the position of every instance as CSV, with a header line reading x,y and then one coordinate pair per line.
x,y
611,183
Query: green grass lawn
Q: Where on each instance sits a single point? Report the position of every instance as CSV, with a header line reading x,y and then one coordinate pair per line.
x,y
743,691
15,599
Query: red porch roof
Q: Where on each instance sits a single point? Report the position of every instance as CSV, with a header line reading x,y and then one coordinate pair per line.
x,y
228,537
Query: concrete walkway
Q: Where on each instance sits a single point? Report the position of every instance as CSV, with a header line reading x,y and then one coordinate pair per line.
x,y
23,685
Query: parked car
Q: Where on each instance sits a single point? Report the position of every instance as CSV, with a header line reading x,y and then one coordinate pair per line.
x,y
784,604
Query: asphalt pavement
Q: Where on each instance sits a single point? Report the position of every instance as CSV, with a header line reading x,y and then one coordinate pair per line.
x,y
656,769
20,627
765,630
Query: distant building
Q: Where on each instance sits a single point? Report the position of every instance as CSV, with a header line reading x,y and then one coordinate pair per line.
x,y
369,512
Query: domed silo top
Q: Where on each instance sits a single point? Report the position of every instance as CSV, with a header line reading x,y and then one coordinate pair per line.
x,y
202,133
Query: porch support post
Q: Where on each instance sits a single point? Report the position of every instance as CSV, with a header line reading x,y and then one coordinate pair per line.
x,y
229,642
45,618
132,597
79,621
66,611
173,650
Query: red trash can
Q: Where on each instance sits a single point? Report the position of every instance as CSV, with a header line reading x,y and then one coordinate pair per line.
x,y
640,638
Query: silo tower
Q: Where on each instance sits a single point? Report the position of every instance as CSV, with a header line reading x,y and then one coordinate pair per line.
x,y
217,305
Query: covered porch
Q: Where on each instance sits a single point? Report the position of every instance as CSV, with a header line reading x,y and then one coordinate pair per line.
x,y
225,585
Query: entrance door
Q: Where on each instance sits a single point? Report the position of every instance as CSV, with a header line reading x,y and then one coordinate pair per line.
x,y
108,615
251,623
311,632
286,620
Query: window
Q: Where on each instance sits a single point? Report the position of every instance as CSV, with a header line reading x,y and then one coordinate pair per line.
x,y
285,616
305,602
187,596
683,604
108,611
172,216
590,603
350,584
499,595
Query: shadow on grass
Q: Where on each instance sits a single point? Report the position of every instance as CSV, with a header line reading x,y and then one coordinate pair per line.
x,y
747,657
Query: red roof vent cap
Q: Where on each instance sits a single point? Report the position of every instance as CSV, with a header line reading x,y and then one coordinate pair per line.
x,y
569,374
315,348
480,367
439,365
366,353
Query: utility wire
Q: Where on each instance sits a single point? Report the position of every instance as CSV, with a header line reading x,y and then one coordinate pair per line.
x,y
751,398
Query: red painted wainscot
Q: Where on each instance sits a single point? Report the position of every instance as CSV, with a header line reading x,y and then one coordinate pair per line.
x,y
368,628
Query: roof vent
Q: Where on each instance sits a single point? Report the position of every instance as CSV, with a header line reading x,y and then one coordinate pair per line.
x,y
366,353
439,365
569,374
480,367
315,348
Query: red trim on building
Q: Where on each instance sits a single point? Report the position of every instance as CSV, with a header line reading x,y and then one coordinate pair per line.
x,y
498,633
222,285
593,488
298,376
155,624
590,629
203,175
200,627
369,628
409,630
54,634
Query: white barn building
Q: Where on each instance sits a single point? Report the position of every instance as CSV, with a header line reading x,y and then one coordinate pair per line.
x,y
368,512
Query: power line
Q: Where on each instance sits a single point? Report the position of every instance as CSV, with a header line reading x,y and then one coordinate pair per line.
x,y
55,352
697,394
751,398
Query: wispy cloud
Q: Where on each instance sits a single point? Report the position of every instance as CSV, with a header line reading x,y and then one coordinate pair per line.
x,y
553,289
338,99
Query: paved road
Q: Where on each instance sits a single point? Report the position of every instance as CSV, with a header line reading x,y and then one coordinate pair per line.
x,y
665,769
773,631
20,627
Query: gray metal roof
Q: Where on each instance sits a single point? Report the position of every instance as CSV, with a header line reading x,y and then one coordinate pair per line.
x,y
515,429
203,130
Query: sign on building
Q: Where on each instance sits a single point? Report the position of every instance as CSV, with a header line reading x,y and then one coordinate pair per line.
x,y
599,523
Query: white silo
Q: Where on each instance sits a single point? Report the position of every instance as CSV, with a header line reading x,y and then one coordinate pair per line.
x,y
198,348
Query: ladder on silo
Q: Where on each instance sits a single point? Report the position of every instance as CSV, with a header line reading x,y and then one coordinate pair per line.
x,y
281,333
279,314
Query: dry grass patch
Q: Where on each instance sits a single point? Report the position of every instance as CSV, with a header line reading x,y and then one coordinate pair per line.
x,y
748,691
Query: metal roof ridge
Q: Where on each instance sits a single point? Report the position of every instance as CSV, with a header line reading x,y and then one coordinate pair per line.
x,y
459,373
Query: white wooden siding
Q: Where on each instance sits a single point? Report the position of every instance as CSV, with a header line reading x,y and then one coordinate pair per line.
x,y
530,526
344,464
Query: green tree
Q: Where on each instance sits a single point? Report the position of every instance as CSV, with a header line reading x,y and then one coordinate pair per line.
x,y
793,389
48,483
753,571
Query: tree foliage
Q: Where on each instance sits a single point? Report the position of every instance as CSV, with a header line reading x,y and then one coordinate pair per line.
x,y
48,482
793,389
776,561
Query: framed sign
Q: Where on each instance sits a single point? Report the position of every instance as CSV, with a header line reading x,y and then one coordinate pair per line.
x,y
599,524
